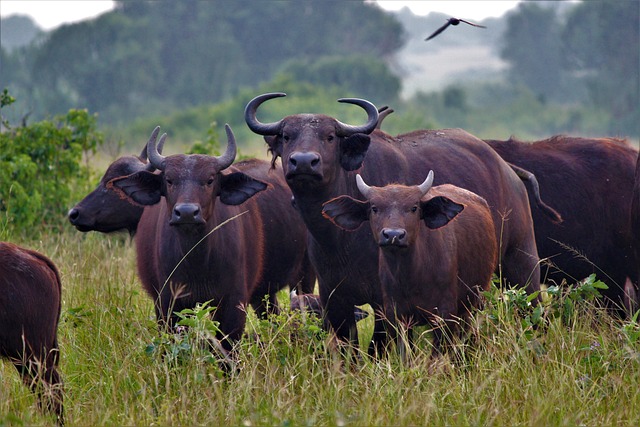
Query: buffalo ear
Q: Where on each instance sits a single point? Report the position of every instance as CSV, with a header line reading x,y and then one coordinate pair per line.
x,y
238,187
346,212
352,151
438,211
142,187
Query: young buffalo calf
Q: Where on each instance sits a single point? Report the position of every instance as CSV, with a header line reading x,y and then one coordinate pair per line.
x,y
429,272
29,313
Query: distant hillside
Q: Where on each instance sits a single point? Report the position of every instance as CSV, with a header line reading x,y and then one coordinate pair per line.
x,y
459,54
17,31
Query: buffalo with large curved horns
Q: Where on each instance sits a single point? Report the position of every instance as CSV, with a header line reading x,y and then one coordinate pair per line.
x,y
320,156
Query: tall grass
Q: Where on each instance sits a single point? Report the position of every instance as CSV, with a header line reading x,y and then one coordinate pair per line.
x,y
521,365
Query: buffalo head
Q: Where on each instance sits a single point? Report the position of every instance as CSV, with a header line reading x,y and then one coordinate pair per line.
x,y
103,209
394,211
189,183
310,145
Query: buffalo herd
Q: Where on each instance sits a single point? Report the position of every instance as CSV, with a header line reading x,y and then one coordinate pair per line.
x,y
207,228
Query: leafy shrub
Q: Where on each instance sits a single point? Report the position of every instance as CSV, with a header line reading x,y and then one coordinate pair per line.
x,y
41,166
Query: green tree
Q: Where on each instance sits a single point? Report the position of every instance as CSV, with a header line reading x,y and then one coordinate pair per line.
x,y
602,46
40,166
363,76
533,49
149,57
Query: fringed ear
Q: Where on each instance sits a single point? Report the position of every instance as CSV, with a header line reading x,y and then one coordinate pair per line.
x,y
144,188
346,212
438,211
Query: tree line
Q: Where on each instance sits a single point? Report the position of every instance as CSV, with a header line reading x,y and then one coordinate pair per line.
x,y
155,57
574,66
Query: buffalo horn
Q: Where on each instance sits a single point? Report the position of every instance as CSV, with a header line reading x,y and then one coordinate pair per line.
x,y
154,136
365,190
367,128
426,185
155,158
229,156
143,153
252,121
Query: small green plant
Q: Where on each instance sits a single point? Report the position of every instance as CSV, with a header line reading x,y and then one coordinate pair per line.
x,y
564,300
193,338
210,146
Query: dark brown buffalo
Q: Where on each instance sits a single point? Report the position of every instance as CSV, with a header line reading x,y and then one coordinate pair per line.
x,y
635,239
192,249
437,251
103,209
30,291
286,261
320,156
590,183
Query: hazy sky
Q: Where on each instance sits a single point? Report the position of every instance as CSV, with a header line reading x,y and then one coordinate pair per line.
x,y
52,13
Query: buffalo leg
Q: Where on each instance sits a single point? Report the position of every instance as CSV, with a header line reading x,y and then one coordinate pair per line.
x,y
44,380
521,267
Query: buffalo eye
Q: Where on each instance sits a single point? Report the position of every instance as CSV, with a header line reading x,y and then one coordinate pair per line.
x,y
330,138
285,138
169,181
374,209
414,209
210,181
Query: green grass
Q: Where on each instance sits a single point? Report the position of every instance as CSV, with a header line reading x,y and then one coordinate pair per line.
x,y
526,367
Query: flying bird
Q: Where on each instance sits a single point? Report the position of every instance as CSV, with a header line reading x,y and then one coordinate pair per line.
x,y
452,21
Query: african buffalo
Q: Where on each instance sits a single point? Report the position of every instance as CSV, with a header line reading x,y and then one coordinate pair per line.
x,y
286,261
103,209
590,182
432,268
320,155
30,291
183,257
635,233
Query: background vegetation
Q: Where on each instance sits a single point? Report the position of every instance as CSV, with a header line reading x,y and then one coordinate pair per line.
x,y
543,68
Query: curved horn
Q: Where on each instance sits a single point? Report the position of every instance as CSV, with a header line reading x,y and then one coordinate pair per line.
x,y
143,153
252,121
383,112
156,159
154,137
364,189
367,128
426,185
229,156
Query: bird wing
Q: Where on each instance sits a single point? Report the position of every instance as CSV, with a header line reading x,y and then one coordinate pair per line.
x,y
438,31
471,23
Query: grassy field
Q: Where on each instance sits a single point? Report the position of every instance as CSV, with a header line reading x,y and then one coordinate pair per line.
x,y
565,363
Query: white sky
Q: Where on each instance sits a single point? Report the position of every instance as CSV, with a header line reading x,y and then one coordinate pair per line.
x,y
52,13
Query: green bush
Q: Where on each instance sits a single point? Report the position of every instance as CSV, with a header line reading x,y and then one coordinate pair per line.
x,y
41,167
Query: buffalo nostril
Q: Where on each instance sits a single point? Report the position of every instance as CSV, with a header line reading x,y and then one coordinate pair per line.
x,y
393,236
74,214
315,162
293,161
